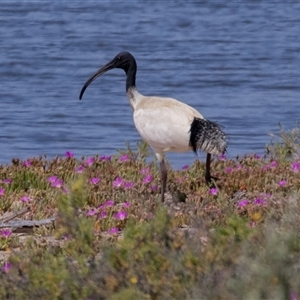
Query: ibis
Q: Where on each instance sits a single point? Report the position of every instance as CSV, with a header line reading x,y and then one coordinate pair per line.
x,y
166,124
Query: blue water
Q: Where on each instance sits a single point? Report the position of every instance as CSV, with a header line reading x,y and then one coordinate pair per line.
x,y
237,63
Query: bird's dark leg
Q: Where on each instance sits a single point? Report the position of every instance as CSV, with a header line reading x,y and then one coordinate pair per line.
x,y
163,170
208,177
207,172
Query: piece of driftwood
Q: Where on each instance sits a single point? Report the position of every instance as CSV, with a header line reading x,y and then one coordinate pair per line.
x,y
27,223
15,215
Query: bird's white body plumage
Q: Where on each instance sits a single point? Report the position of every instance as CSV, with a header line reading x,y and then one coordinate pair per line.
x,y
164,123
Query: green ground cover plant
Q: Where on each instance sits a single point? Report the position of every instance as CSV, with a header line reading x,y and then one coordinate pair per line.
x,y
109,237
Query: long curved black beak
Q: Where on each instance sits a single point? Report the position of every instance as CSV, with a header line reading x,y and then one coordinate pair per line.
x,y
107,67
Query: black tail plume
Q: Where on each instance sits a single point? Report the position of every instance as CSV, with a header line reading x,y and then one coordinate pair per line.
x,y
207,136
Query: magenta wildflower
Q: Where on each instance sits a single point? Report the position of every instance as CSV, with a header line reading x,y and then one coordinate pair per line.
x,y
124,158
154,188
2,191
273,164
7,180
69,154
90,161
213,191
295,166
52,179
55,181
79,169
94,180
256,156
252,224
126,204
91,212
148,178
239,167
113,230
104,157
65,190
27,163
6,267
179,180
185,167
228,170
109,203
102,215
294,296
128,185
57,184
25,199
118,182
260,201
145,171
121,215
243,203
265,168
222,157
282,183
5,233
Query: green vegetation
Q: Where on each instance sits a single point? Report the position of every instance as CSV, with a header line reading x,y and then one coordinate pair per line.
x,y
113,239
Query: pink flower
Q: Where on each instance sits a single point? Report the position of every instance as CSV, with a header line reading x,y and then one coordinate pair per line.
x,y
5,233
222,157
282,183
185,167
55,182
79,169
126,204
109,203
265,168
27,163
52,179
7,181
113,230
213,191
154,188
90,161
295,166
273,164
104,157
6,267
91,212
145,171
128,185
243,203
94,180
121,215
69,154
256,156
238,167
2,191
228,170
260,201
294,296
25,199
148,178
102,215
118,182
124,158
252,224
179,180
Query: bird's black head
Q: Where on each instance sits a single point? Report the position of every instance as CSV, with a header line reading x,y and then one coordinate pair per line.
x,y
124,60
